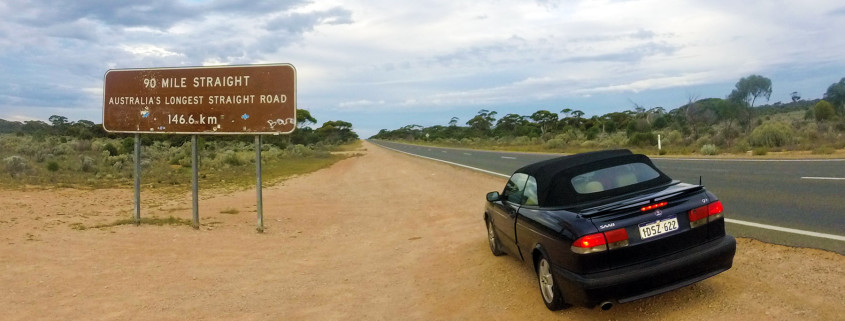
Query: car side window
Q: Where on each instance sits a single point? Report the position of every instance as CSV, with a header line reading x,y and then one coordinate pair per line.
x,y
530,193
514,189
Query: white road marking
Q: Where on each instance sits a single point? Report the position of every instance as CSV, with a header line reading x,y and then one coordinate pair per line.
x,y
728,220
824,178
448,162
787,230
508,157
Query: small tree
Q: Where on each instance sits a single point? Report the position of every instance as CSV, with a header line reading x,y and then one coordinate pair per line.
x,y
545,119
795,96
304,118
835,94
483,121
750,88
823,111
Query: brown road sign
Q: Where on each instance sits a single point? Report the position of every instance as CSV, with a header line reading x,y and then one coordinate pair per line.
x,y
250,99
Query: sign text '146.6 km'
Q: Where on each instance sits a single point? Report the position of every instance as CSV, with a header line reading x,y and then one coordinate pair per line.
x,y
190,119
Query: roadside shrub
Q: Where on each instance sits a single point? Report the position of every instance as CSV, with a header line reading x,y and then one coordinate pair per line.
x,y
673,137
704,139
15,165
709,149
176,159
554,143
127,145
823,111
741,146
771,135
592,133
662,152
111,149
616,139
27,149
297,150
87,164
82,145
52,166
63,149
643,139
760,151
41,155
231,158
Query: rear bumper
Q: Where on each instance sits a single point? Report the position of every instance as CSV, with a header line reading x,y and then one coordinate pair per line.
x,y
648,278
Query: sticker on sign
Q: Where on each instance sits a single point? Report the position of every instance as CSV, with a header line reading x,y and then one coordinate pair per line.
x,y
248,99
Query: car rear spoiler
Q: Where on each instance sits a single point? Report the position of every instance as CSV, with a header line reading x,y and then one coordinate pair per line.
x,y
648,197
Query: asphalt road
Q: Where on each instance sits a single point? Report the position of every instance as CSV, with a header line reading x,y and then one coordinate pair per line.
x,y
790,202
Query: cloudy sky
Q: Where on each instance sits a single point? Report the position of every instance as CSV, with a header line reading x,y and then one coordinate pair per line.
x,y
386,64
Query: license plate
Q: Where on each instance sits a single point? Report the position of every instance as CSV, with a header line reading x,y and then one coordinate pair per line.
x,y
652,229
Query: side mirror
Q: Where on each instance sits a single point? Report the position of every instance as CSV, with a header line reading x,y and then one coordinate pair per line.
x,y
493,196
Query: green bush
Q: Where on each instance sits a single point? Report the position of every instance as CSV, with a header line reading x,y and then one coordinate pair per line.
x,y
771,134
82,145
643,139
709,149
554,143
52,166
15,165
231,158
87,164
111,149
127,145
823,111
760,151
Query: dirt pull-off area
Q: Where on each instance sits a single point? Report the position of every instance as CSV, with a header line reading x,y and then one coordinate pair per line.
x,y
384,236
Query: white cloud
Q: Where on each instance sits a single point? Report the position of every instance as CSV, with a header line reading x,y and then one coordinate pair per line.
x,y
146,50
364,55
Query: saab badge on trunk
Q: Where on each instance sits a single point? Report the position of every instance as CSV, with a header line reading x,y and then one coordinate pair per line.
x,y
658,212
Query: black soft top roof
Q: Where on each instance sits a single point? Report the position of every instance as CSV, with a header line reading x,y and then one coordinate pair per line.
x,y
554,187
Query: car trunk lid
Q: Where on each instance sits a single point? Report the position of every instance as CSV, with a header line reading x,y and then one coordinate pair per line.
x,y
656,222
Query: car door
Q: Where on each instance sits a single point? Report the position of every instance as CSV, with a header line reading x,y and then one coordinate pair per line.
x,y
506,209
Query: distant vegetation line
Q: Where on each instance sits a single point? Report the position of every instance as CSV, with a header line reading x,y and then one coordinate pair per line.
x,y
707,126
81,153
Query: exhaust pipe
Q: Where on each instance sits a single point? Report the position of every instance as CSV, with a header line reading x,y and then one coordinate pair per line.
x,y
606,305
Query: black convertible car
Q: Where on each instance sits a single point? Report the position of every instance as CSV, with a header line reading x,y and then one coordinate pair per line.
x,y
607,226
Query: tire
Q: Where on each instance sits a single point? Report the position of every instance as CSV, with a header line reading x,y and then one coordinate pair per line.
x,y
549,291
493,240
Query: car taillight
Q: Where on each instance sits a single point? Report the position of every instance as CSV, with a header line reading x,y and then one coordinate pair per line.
x,y
616,238
707,213
598,242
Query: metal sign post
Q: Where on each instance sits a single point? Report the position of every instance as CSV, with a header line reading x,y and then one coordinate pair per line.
x,y
195,222
223,100
259,207
137,217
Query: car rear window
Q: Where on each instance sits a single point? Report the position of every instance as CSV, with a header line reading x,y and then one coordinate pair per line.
x,y
614,177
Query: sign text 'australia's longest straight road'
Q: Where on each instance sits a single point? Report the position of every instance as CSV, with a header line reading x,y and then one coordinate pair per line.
x,y
251,99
